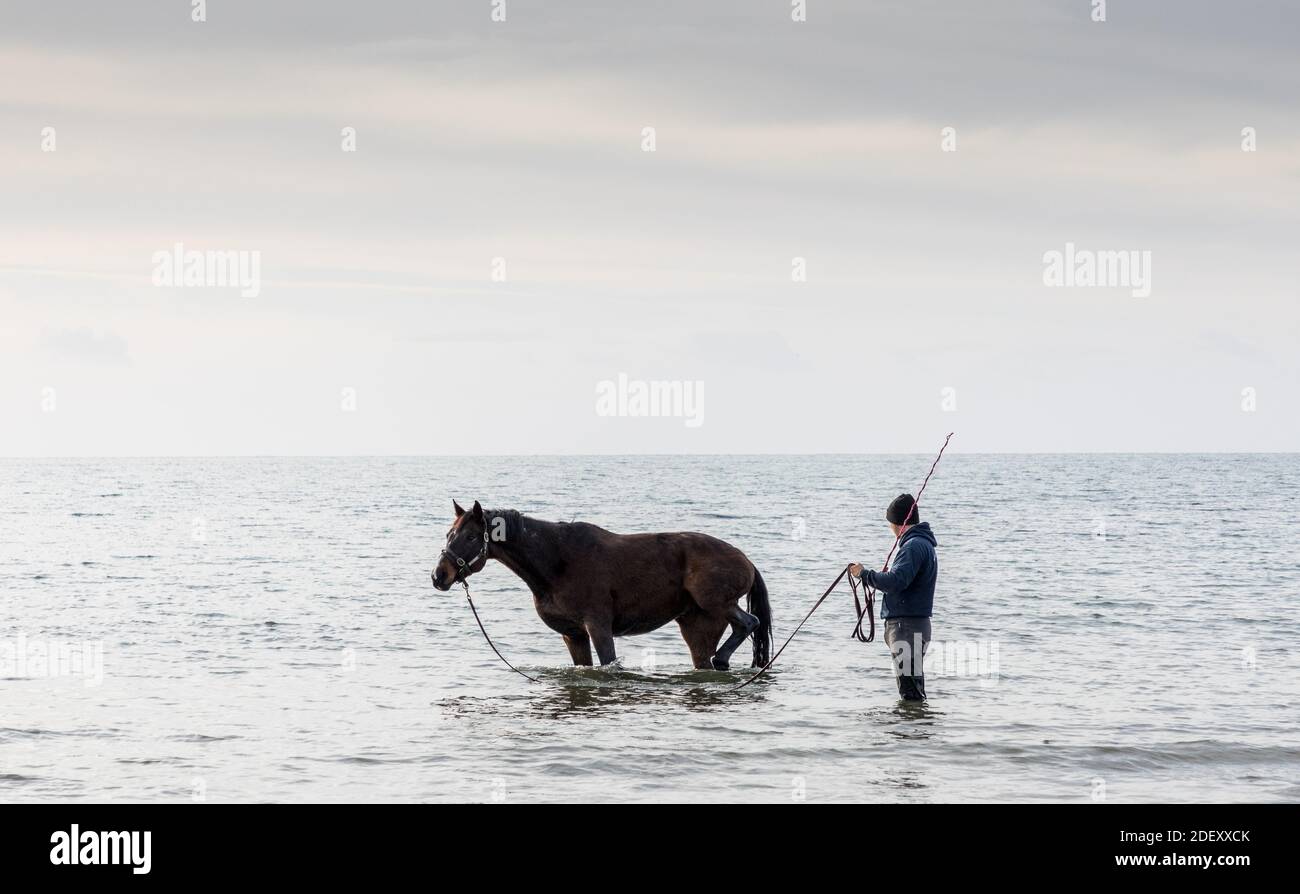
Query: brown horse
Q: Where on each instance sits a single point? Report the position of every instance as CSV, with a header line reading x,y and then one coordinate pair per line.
x,y
590,585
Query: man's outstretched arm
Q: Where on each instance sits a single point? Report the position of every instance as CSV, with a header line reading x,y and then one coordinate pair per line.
x,y
896,578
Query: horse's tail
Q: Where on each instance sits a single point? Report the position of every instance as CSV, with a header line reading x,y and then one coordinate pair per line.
x,y
760,608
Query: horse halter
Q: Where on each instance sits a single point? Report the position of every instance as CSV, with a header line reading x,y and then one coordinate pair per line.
x,y
462,567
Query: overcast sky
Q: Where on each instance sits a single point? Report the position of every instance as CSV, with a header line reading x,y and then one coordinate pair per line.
x,y
523,140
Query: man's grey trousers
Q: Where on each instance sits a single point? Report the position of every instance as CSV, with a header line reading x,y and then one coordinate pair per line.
x,y
908,638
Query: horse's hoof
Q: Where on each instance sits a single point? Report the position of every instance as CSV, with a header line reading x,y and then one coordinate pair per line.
x,y
719,664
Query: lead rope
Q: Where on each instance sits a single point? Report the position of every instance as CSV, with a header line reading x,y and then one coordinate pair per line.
x,y
822,599
464,583
868,611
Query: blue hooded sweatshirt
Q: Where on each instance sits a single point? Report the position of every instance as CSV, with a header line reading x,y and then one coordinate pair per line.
x,y
909,584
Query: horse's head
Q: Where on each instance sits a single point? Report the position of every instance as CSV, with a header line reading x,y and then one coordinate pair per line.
x,y
466,549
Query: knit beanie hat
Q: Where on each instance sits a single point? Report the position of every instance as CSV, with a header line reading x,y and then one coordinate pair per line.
x,y
899,509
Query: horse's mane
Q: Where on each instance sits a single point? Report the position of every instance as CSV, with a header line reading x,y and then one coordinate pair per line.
x,y
514,521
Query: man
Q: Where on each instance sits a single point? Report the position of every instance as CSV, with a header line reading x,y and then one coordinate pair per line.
x,y
908,589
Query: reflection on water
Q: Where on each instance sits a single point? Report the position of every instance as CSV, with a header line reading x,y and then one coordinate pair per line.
x,y
593,691
919,716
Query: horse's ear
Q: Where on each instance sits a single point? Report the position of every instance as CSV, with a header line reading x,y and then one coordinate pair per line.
x,y
478,511
456,506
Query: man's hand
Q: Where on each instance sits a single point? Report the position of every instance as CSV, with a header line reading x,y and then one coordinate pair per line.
x,y
855,569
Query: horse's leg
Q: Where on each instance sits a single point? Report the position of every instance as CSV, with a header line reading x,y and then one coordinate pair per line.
x,y
603,637
701,633
713,587
742,625
579,647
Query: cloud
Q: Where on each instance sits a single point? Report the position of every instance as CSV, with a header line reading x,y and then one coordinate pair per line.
x,y
522,141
